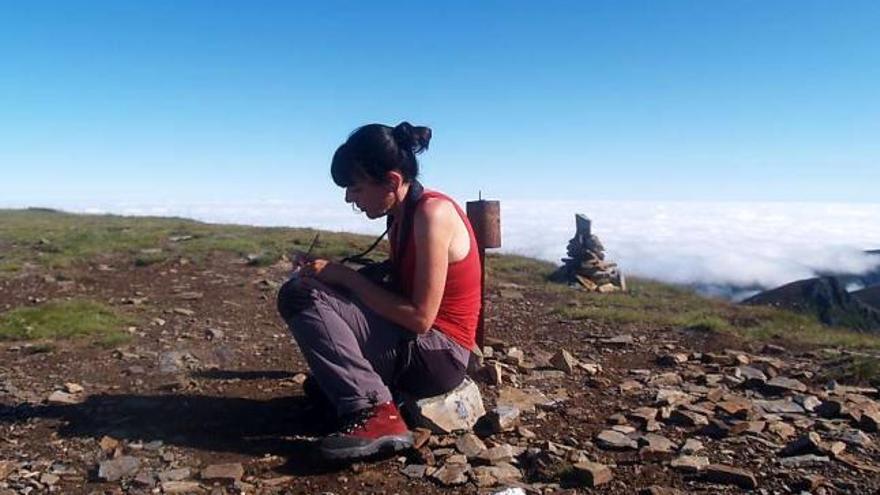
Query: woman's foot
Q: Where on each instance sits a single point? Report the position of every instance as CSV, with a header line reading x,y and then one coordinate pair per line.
x,y
379,428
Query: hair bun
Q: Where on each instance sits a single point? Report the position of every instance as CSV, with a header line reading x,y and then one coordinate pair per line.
x,y
413,138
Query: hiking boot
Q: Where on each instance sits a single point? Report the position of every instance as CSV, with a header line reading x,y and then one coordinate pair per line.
x,y
379,428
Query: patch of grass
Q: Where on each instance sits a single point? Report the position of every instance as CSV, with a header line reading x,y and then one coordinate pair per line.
x,y
40,348
646,303
53,239
149,258
610,314
863,370
651,303
63,319
517,269
111,340
765,323
9,267
702,322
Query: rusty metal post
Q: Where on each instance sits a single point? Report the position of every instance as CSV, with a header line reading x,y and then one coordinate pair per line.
x,y
485,218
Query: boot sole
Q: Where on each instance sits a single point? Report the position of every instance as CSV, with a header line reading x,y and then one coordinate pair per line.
x,y
386,444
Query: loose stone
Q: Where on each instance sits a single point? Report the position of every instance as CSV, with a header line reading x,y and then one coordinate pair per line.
x,y
504,418
564,361
469,444
223,472
451,474
719,473
610,439
593,474
116,469
689,464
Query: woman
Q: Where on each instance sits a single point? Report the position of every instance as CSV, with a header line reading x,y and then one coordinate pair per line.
x,y
360,338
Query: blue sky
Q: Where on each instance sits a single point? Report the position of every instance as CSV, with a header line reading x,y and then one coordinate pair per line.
x,y
634,100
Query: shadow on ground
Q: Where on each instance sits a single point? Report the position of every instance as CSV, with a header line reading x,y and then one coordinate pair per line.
x,y
242,375
283,426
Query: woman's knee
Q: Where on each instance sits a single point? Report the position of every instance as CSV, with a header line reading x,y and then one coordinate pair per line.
x,y
293,298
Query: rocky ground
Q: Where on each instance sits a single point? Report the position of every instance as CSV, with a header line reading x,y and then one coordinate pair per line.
x,y
207,398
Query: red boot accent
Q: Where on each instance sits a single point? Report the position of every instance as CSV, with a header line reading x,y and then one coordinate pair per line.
x,y
367,432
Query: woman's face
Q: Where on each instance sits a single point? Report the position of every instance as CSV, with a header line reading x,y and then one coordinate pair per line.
x,y
373,198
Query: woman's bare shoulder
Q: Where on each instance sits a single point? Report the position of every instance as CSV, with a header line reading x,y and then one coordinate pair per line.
x,y
436,209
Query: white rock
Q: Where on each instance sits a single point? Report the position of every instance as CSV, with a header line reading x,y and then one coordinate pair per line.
x,y
62,398
456,410
504,418
73,388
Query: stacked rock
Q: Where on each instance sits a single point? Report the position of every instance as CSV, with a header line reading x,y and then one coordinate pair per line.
x,y
586,265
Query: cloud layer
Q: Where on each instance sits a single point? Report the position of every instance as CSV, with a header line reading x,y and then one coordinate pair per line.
x,y
742,244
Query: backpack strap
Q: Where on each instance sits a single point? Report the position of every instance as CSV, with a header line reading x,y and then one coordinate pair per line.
x,y
410,202
404,228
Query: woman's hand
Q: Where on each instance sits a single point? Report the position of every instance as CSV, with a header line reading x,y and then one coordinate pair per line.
x,y
328,272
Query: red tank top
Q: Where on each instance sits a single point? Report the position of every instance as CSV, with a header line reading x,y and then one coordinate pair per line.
x,y
462,296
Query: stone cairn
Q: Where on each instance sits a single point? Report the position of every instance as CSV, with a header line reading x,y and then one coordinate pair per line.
x,y
585,265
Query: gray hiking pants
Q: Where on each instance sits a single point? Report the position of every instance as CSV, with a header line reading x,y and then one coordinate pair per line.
x,y
355,355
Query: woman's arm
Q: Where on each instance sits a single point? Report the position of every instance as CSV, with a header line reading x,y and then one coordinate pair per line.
x,y
433,227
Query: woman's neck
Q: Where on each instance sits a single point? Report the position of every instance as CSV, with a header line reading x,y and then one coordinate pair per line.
x,y
396,211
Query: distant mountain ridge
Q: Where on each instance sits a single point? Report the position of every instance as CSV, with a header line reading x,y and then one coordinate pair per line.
x,y
864,280
869,296
827,297
741,292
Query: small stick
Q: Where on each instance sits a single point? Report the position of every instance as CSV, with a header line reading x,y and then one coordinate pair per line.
x,y
298,258
312,245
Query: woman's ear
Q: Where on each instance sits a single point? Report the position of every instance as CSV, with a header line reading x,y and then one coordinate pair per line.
x,y
393,180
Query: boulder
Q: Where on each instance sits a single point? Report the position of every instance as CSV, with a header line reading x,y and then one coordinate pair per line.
x,y
457,410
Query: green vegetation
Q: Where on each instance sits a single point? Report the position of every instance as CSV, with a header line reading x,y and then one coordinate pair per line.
x,y
64,319
511,268
651,303
854,369
55,240
654,303
52,239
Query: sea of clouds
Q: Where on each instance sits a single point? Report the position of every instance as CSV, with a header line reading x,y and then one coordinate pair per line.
x,y
712,244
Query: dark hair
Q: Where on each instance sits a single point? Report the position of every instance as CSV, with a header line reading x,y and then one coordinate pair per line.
x,y
374,150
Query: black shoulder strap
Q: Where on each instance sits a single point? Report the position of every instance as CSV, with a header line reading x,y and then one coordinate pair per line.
x,y
409,210
404,228
409,207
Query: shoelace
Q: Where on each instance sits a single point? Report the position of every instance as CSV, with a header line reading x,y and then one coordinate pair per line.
x,y
357,420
